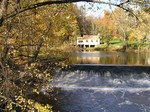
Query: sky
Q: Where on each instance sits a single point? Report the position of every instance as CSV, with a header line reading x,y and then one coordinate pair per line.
x,y
95,9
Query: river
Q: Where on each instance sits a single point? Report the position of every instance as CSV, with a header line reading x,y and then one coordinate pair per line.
x,y
104,57
103,82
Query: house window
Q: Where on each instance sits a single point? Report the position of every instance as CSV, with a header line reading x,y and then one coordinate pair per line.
x,y
80,41
86,40
91,40
96,40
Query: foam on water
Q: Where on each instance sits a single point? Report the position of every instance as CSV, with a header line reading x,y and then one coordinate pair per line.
x,y
102,82
104,91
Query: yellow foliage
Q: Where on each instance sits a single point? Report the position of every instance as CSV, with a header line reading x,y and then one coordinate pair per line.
x,y
39,107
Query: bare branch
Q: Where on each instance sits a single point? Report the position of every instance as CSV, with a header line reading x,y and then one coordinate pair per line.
x,y
124,3
40,4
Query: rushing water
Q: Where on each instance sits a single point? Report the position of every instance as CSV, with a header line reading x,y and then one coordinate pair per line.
x,y
104,82
96,88
103,57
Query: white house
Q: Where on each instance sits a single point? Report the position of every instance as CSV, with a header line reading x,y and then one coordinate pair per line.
x,y
88,41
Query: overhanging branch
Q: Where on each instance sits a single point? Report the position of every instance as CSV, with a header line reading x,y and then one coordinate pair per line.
x,y
40,4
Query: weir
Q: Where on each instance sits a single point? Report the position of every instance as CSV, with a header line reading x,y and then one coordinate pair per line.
x,y
102,88
109,67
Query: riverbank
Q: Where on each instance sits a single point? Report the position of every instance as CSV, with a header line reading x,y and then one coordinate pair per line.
x,y
116,47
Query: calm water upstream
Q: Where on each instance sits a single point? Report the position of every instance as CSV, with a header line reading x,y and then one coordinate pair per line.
x,y
91,86
103,57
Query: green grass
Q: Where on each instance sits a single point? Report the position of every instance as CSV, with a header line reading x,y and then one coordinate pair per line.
x,y
101,47
115,41
117,44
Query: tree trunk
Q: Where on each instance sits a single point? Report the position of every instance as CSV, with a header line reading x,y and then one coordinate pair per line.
x,y
5,52
139,48
3,10
36,52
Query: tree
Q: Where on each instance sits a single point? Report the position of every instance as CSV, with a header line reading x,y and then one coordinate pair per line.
x,y
19,6
105,26
105,34
22,38
140,34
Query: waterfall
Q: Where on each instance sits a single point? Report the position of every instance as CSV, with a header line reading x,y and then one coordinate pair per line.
x,y
103,88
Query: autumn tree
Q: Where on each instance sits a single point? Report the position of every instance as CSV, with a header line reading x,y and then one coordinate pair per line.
x,y
10,8
84,22
22,38
139,35
105,26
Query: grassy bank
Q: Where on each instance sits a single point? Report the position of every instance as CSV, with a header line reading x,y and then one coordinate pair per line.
x,y
119,45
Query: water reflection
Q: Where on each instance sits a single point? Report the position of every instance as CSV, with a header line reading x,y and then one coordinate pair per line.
x,y
103,57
